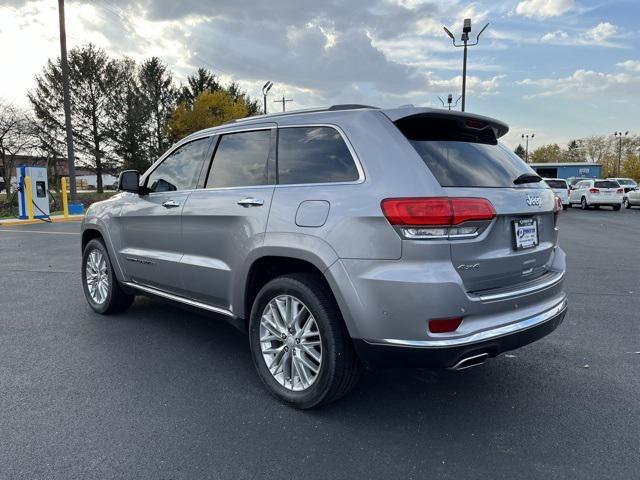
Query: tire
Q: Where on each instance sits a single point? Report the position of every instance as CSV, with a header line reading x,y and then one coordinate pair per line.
x,y
583,204
626,203
338,369
616,207
110,298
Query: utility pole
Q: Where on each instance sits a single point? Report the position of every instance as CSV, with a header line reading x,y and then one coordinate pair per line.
x,y
620,135
283,101
449,101
67,103
466,30
265,89
526,150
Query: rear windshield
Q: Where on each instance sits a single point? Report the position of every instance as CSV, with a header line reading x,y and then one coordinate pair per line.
x,y
556,183
469,164
606,184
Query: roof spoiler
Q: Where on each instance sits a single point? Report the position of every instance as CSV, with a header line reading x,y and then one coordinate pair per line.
x,y
462,121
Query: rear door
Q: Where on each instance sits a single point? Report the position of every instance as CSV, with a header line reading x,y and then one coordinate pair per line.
x,y
518,243
608,190
224,221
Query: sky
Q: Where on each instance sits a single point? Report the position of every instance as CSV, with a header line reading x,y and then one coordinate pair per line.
x,y
561,69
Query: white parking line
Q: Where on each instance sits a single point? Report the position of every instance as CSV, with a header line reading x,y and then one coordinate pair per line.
x,y
38,231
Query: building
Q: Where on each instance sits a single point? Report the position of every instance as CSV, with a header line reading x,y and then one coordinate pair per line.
x,y
568,170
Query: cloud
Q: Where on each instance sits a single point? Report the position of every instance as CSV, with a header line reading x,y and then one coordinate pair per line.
x,y
544,8
631,65
585,83
600,35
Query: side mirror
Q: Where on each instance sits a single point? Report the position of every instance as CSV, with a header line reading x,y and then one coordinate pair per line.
x,y
129,181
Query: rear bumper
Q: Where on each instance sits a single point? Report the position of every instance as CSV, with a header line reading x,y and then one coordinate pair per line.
x,y
614,200
447,353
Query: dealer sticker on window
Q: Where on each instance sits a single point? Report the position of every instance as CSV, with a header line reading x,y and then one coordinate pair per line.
x,y
525,233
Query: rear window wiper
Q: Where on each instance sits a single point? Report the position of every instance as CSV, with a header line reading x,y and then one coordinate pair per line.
x,y
527,178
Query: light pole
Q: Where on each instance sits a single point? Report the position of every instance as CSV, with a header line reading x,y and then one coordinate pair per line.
x,y
265,89
283,101
449,100
466,30
620,135
526,151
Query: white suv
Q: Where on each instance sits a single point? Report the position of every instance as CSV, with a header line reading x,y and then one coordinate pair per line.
x,y
597,193
561,189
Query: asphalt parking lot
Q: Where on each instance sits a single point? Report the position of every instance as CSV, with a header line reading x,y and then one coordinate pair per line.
x,y
163,393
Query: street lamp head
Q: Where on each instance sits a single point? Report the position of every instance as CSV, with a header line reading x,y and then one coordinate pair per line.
x,y
466,27
522,135
266,87
626,133
533,135
450,98
449,33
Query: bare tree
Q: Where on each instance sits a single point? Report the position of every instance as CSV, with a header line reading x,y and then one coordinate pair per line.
x,y
16,137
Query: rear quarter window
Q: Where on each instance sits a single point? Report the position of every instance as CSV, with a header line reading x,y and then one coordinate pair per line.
x,y
314,155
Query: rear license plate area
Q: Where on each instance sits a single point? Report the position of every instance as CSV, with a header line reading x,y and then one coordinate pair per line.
x,y
525,233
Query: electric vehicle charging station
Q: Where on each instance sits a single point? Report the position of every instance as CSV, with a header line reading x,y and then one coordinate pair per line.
x,y
35,189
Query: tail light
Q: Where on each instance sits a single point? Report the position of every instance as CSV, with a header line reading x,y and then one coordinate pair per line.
x,y
437,217
558,205
444,325
620,190
594,190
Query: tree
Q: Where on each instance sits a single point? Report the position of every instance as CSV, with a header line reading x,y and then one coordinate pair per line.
x,y
16,137
130,118
159,95
546,154
631,167
574,152
237,94
596,147
92,80
520,151
208,110
201,81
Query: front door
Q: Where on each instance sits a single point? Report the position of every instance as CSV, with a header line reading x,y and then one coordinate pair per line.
x,y
150,224
223,222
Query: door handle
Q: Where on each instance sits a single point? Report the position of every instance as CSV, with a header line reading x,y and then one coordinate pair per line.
x,y
170,204
251,202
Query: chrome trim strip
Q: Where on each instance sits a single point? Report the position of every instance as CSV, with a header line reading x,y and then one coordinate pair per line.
x,y
483,335
177,298
523,291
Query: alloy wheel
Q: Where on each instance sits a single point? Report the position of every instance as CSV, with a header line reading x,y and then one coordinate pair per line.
x,y
290,343
97,276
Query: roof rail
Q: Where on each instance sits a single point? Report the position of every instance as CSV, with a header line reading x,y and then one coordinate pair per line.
x,y
332,108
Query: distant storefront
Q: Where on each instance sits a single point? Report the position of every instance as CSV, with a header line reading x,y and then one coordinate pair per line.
x,y
568,170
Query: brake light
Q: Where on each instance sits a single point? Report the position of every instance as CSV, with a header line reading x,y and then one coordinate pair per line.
x,y
436,211
594,190
620,190
444,325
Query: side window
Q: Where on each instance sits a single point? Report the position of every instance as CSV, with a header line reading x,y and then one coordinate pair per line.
x,y
313,155
241,160
181,169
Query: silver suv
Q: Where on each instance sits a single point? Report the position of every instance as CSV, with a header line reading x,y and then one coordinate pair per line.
x,y
338,238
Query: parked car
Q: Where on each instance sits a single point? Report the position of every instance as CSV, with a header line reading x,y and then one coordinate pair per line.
x,y
597,193
338,238
573,181
561,189
632,198
626,183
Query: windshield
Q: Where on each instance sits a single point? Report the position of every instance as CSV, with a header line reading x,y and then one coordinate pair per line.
x,y
557,183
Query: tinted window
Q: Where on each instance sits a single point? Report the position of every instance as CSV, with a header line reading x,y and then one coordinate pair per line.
x,y
314,155
557,183
181,169
468,164
240,160
607,184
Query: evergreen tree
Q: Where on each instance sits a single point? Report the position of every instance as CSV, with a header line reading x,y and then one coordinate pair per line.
x,y
520,151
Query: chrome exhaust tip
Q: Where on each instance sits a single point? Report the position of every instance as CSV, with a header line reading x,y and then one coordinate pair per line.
x,y
472,361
